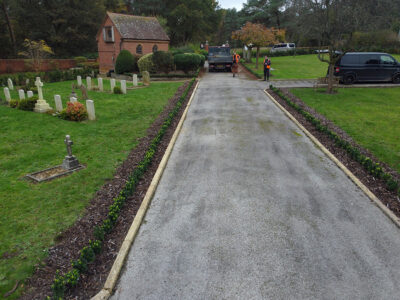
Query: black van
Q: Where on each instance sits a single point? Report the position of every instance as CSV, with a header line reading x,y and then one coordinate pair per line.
x,y
367,66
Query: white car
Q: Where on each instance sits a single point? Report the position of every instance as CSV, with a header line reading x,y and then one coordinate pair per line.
x,y
283,47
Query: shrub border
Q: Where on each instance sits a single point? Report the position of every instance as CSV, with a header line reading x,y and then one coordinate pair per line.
x,y
373,168
88,253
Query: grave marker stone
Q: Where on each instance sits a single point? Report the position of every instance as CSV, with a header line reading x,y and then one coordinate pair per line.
x,y
70,161
100,84
57,100
73,100
112,83
10,84
21,94
135,81
89,82
123,86
29,94
146,78
90,110
79,80
41,105
7,94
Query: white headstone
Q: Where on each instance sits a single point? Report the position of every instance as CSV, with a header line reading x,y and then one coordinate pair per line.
x,y
79,79
123,86
7,94
21,94
135,81
90,110
89,83
73,100
57,100
39,86
29,94
112,83
10,84
100,84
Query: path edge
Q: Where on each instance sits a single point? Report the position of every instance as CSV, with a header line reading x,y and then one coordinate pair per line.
x,y
348,173
113,276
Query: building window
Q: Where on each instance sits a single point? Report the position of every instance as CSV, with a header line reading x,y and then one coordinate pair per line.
x,y
108,34
139,49
155,48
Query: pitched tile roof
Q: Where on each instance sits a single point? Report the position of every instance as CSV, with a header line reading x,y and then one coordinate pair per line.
x,y
138,28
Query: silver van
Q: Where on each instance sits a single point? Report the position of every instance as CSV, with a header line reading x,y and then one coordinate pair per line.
x,y
283,47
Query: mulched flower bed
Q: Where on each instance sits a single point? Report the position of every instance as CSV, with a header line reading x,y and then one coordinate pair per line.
x,y
375,185
70,242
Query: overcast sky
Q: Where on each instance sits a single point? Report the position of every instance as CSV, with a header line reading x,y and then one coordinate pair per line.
x,y
231,4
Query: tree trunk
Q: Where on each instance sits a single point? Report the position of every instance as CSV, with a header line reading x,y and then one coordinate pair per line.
x,y
10,29
330,78
258,54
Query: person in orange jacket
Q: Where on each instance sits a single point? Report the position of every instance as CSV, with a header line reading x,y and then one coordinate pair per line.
x,y
235,63
267,67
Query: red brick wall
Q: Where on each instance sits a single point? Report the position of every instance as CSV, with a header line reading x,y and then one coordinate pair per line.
x,y
23,65
108,51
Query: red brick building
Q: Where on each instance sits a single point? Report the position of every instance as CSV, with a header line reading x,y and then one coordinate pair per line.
x,y
139,35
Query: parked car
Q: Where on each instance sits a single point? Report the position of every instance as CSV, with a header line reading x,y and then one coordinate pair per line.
x,y
283,47
367,66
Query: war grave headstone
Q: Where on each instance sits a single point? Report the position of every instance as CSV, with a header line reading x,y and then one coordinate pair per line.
x,y
73,99
10,84
21,94
89,82
57,100
100,84
90,110
112,84
7,94
146,78
29,94
79,80
135,80
123,86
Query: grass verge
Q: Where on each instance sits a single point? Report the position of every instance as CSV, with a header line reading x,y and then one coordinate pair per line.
x,y
369,116
33,214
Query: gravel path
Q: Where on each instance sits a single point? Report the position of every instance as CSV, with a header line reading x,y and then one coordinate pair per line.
x,y
249,208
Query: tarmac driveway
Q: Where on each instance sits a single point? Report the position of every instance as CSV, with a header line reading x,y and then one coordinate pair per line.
x,y
249,208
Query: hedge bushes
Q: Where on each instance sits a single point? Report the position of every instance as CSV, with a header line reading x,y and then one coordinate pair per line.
x,y
125,62
25,104
51,76
188,61
163,61
375,169
74,112
88,253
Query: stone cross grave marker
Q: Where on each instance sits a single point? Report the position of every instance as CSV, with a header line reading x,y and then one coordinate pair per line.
x,y
146,78
123,86
90,110
70,161
100,84
89,82
10,84
21,94
57,100
7,94
135,81
73,100
39,86
112,83
79,80
29,94
41,105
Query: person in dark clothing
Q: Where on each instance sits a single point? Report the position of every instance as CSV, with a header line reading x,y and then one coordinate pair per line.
x,y
267,67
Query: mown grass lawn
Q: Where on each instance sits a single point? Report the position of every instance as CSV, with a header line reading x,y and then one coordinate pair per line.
x,y
369,115
295,67
33,214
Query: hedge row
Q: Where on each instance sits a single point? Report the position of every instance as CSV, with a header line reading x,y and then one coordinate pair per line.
x,y
375,169
264,52
87,254
51,76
